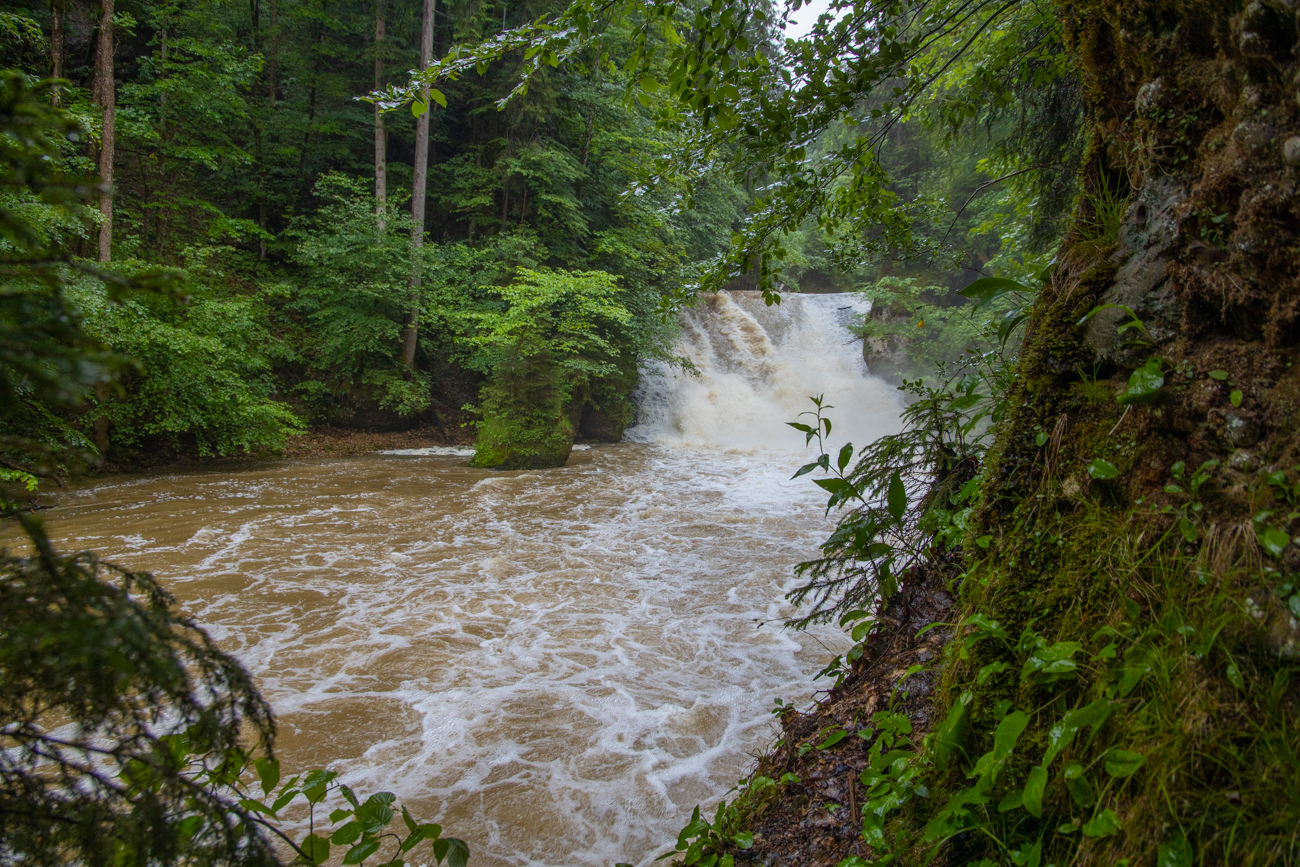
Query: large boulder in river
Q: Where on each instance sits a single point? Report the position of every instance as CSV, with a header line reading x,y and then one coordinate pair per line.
x,y
527,422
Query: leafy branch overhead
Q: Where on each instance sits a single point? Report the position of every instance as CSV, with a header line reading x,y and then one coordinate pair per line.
x,y
763,105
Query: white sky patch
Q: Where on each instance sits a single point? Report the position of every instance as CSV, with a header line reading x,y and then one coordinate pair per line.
x,y
802,21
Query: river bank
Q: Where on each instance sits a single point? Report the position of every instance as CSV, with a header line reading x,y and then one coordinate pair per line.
x,y
801,803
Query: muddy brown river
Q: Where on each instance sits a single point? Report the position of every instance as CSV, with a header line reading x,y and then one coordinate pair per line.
x,y
556,666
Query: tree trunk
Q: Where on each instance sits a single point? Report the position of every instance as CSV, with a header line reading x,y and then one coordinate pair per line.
x,y
106,97
273,58
381,140
410,332
1195,126
57,40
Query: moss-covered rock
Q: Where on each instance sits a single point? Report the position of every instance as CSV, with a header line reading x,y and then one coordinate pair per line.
x,y
527,420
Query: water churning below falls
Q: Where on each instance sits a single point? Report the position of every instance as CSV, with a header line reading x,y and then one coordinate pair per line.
x,y
558,665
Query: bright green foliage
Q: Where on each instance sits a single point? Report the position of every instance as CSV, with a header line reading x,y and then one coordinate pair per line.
x,y
904,492
352,298
559,333
201,371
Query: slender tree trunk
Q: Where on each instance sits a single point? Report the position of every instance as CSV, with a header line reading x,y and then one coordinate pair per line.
x,y
410,332
255,14
381,136
56,47
106,98
273,58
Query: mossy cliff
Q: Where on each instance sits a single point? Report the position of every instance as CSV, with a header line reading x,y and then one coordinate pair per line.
x,y
1118,679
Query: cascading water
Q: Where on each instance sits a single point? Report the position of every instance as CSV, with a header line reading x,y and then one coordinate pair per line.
x,y
556,666
758,365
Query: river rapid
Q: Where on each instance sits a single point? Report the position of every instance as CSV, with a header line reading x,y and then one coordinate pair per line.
x,y
557,665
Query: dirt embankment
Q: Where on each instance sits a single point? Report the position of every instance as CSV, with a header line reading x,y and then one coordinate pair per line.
x,y
816,822
330,442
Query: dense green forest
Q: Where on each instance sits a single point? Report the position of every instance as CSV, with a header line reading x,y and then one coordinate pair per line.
x,y
1072,582
318,277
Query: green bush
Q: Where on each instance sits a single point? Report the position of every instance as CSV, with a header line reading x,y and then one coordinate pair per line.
x,y
200,377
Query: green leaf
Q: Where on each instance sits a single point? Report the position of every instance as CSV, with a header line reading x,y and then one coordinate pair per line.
x,y
1294,605
1103,824
834,738
1051,663
284,798
316,848
846,455
457,852
1012,801
897,496
989,670
346,835
1081,791
1062,734
805,469
1234,675
268,773
1174,852
949,732
1274,541
1010,320
1033,791
1235,398
1030,856
1042,438
988,289
339,815
1218,374
255,806
361,851
1008,732
1123,763
1144,384
745,840
1102,469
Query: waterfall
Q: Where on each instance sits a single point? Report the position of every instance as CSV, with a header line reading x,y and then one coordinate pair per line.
x,y
757,368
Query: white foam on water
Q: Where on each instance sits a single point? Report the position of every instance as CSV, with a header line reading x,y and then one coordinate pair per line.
x,y
555,665
450,451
